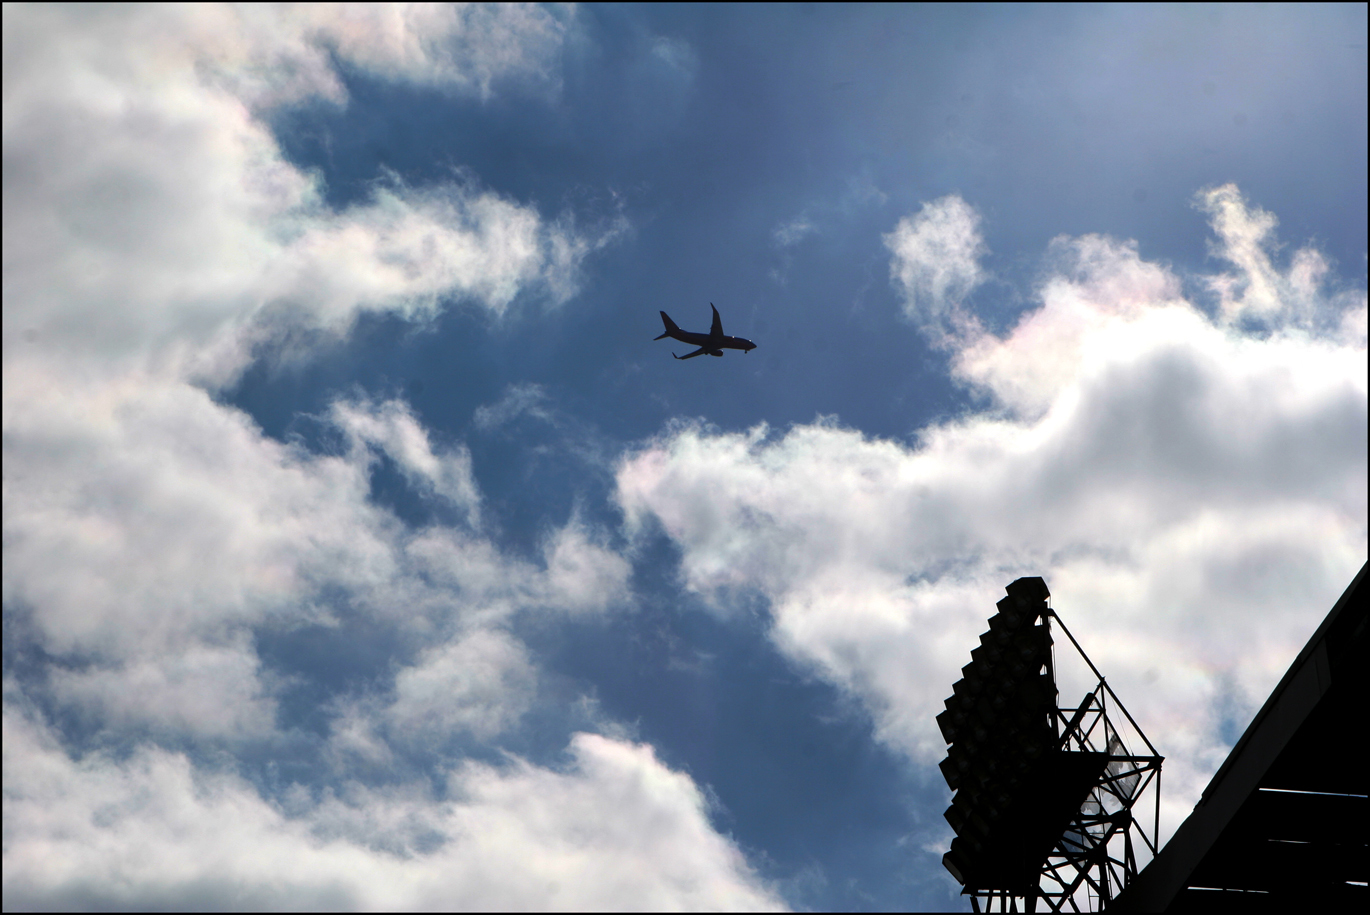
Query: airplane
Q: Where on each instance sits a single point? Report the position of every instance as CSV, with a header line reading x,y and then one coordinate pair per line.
x,y
713,343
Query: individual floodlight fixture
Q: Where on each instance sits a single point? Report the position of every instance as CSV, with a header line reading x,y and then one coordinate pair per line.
x,y
1043,793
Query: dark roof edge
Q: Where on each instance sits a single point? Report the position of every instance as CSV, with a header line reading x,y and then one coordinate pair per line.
x,y
1289,703
1288,678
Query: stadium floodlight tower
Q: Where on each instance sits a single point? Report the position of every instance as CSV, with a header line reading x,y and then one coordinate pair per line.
x,y
1044,795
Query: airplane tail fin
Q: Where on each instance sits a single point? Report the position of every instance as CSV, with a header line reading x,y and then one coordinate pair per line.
x,y
670,327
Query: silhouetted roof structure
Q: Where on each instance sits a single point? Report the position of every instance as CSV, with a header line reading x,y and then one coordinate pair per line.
x,y
1282,826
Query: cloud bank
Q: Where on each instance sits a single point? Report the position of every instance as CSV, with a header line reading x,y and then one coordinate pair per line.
x,y
615,830
157,543
1193,492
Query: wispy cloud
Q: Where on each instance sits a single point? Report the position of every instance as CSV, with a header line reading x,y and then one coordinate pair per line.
x,y
520,399
1259,292
788,234
936,264
861,194
393,428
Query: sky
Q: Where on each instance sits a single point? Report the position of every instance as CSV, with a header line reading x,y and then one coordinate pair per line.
x,y
362,550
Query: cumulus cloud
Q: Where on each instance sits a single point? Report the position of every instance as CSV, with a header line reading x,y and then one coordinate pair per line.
x,y
1098,285
205,692
118,492
149,213
480,684
936,263
148,529
156,539
1195,497
579,575
149,208
615,830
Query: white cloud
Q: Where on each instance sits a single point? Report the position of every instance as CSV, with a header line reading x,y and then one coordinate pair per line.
x,y
677,54
1100,287
153,235
480,684
149,210
392,427
204,691
1259,292
518,399
785,237
860,195
150,218
1194,496
1244,235
147,529
457,46
615,830
481,680
140,512
862,192
936,263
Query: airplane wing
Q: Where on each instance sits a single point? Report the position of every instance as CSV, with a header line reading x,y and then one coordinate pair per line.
x,y
716,328
697,352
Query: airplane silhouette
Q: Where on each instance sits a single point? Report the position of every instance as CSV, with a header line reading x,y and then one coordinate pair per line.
x,y
713,343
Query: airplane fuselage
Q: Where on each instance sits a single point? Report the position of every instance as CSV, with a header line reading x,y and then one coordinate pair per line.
x,y
713,343
710,342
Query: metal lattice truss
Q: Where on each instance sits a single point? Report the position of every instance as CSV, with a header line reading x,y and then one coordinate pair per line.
x,y
1097,855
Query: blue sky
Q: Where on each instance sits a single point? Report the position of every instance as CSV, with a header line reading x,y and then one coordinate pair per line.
x,y
362,549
